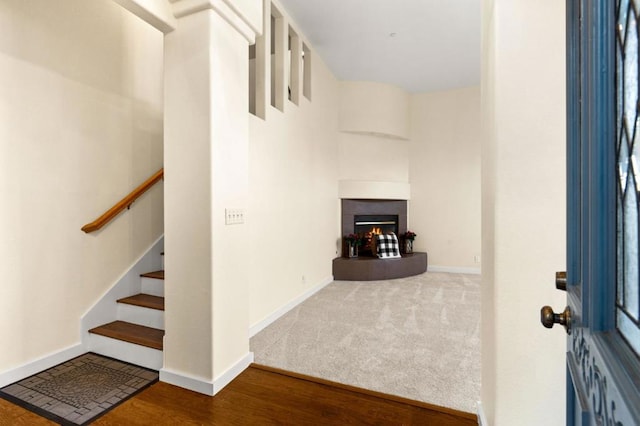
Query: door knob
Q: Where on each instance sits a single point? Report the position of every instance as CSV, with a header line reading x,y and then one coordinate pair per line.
x,y
561,281
548,318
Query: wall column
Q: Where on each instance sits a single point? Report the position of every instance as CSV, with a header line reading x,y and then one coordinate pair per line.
x,y
206,171
523,211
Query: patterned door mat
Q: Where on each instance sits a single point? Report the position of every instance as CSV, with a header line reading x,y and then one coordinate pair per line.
x,y
78,391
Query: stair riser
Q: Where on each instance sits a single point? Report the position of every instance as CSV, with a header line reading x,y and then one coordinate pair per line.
x,y
152,286
129,352
139,315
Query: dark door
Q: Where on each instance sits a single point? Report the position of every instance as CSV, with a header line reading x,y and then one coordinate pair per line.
x,y
603,179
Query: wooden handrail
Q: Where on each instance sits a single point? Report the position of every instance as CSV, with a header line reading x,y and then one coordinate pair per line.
x,y
124,203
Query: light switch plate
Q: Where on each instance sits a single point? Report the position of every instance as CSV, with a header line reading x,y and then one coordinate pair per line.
x,y
234,216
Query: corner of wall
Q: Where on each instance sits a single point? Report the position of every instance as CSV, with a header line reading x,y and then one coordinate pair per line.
x,y
203,386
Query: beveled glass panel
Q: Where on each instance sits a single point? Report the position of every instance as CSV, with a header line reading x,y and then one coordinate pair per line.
x,y
623,161
630,63
619,250
627,144
630,236
629,330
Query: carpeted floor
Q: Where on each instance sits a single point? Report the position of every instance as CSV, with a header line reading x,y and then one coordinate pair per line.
x,y
80,390
416,337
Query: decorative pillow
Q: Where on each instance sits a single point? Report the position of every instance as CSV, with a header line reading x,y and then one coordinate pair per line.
x,y
387,246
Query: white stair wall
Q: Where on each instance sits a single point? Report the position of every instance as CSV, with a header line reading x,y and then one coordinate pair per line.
x,y
125,351
105,309
152,286
141,315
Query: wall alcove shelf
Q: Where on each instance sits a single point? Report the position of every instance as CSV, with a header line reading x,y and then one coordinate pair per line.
x,y
372,268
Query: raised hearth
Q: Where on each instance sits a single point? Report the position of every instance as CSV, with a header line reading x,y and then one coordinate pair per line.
x,y
372,268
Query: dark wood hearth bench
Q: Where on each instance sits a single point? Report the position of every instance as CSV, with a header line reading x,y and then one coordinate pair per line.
x,y
366,268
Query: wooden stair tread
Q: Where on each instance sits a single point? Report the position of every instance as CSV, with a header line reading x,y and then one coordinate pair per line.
x,y
145,301
159,275
132,333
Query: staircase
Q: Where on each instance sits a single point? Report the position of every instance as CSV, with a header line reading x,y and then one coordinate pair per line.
x,y
137,333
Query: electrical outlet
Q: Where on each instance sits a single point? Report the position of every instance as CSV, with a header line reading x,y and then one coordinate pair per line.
x,y
476,259
304,280
233,216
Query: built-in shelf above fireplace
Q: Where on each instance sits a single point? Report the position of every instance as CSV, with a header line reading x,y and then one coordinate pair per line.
x,y
373,190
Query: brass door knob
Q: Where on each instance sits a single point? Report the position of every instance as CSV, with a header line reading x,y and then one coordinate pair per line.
x,y
548,318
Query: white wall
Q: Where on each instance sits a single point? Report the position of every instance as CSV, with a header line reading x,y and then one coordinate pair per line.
x,y
368,107
293,207
445,176
373,152
523,192
81,108
206,141
373,158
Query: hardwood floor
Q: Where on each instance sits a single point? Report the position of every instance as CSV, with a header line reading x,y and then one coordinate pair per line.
x,y
13,415
263,396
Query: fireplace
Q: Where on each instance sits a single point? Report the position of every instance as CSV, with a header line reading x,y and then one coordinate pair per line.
x,y
368,217
368,225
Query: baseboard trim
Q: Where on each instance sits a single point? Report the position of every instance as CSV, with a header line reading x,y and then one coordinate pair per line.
x,y
225,378
482,418
41,364
454,269
201,385
186,381
264,323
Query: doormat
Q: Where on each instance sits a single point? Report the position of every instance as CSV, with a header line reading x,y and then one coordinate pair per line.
x,y
78,391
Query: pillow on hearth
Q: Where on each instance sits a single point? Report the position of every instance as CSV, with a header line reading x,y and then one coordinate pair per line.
x,y
387,246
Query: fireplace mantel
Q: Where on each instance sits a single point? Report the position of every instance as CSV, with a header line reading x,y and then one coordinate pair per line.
x,y
378,190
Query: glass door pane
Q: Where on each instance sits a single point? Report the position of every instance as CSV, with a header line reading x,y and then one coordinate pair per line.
x,y
627,153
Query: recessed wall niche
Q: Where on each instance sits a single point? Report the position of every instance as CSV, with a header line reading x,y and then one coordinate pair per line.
x,y
252,79
278,47
279,65
295,66
306,71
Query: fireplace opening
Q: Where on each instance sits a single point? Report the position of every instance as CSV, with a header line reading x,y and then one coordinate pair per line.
x,y
367,226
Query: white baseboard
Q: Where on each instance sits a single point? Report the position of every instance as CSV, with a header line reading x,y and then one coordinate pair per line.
x,y
482,418
201,385
41,364
264,323
225,378
453,269
186,381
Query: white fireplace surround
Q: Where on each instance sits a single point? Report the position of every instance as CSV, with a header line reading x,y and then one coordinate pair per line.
x,y
374,190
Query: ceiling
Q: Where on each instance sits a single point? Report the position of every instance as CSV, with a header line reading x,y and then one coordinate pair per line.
x,y
419,45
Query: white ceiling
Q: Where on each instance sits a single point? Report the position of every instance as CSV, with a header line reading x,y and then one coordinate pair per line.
x,y
435,43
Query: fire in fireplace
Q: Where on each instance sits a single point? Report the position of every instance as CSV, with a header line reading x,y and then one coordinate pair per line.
x,y
361,216
369,225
